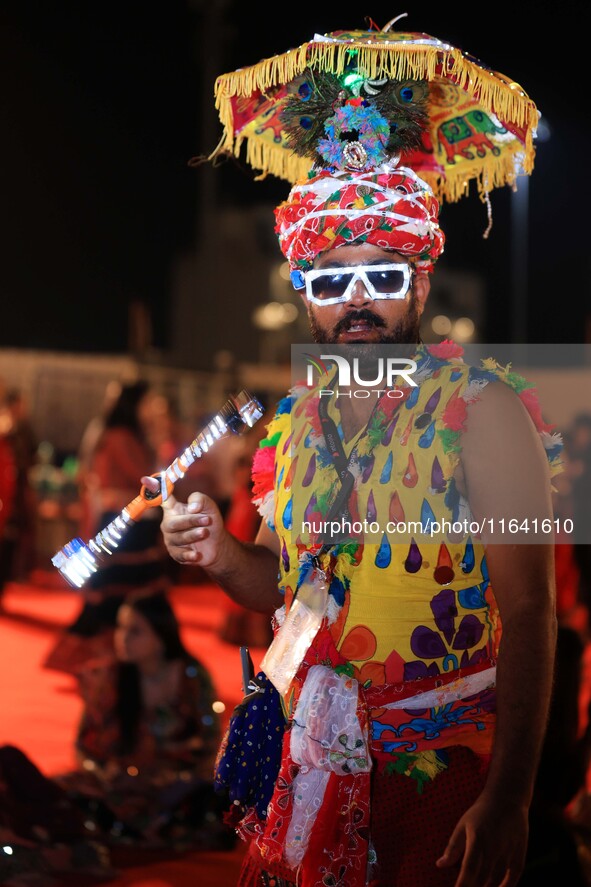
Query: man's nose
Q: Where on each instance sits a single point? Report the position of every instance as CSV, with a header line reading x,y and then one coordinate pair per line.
x,y
359,295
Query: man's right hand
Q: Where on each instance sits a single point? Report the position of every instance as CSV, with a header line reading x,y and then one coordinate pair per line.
x,y
194,532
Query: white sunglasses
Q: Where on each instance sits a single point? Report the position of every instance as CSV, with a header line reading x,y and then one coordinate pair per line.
x,y
331,286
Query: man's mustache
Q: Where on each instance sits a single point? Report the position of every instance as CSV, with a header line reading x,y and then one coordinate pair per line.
x,y
355,317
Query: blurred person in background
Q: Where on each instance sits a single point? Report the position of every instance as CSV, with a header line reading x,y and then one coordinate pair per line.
x,y
7,495
170,436
569,608
145,748
240,625
581,458
224,457
559,815
573,495
86,448
17,549
123,452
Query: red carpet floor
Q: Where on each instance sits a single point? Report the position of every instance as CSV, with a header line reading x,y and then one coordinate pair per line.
x,y
40,708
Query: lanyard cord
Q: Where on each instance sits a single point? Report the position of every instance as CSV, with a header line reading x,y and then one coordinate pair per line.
x,y
334,445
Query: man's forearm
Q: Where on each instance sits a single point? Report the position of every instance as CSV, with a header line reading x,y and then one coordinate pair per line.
x,y
524,689
248,573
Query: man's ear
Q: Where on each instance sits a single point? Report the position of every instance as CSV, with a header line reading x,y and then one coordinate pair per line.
x,y
421,286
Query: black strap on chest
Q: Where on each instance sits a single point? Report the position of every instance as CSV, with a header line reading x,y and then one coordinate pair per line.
x,y
340,504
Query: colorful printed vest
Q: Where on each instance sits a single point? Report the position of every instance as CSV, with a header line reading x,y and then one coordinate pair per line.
x,y
407,610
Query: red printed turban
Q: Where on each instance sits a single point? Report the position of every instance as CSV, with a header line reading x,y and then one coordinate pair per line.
x,y
388,206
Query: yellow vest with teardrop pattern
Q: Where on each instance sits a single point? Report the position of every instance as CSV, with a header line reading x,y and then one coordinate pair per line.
x,y
410,609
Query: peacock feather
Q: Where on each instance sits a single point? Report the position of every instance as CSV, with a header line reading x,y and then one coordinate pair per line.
x,y
324,112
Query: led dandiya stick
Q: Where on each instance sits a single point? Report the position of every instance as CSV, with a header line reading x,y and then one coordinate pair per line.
x,y
78,560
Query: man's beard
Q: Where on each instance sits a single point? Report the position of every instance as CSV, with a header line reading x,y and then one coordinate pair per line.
x,y
406,331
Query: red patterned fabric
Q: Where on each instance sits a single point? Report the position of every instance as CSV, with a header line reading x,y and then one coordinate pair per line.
x,y
389,207
406,853
344,819
7,481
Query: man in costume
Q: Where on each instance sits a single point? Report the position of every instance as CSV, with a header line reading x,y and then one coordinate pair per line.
x,y
393,732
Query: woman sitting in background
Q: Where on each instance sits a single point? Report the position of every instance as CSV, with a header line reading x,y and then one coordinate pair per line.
x,y
146,747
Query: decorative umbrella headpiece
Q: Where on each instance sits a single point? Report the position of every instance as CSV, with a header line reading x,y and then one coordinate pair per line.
x,y
350,108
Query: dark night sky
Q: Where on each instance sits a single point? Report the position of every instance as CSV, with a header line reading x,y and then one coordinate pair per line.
x,y
103,106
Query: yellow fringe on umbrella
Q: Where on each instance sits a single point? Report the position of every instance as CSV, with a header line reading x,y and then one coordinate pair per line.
x,y
396,60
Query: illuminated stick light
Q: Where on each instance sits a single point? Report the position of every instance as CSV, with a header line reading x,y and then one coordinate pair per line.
x,y
78,560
